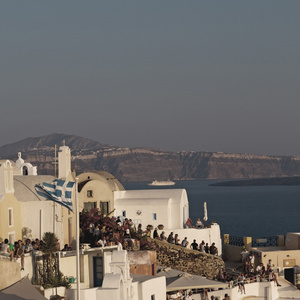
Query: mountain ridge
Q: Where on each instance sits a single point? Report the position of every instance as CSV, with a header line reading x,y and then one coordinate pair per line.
x,y
147,164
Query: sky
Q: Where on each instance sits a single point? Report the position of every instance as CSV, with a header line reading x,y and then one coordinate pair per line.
x,y
174,75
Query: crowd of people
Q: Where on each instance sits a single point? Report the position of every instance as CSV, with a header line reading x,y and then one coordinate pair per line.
x,y
16,250
174,239
123,233
259,273
198,224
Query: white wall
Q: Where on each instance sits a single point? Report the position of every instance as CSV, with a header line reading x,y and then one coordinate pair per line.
x,y
155,286
209,235
147,209
39,223
167,204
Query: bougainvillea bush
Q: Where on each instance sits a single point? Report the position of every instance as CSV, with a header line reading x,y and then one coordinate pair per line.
x,y
96,217
103,220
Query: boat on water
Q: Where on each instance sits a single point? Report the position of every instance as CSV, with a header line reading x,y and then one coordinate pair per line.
x,y
166,182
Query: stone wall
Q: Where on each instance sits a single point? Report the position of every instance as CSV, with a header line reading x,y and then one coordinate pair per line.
x,y
187,260
142,262
10,272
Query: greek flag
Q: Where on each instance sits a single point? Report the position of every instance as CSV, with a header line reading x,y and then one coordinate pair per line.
x,y
59,191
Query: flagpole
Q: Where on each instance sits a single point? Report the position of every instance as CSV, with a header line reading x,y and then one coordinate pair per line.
x,y
77,240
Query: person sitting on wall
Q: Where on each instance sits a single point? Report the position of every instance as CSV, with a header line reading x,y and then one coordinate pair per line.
x,y
171,238
163,236
199,224
140,230
241,283
27,247
19,252
206,248
66,248
202,247
185,242
274,278
5,249
176,239
189,223
261,271
155,233
194,245
213,249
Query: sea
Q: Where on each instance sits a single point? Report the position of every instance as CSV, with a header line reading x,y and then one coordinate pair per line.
x,y
256,211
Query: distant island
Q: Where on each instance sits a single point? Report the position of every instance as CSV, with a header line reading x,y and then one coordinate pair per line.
x,y
148,164
260,182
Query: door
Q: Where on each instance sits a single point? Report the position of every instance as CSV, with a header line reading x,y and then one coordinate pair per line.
x,y
289,274
98,270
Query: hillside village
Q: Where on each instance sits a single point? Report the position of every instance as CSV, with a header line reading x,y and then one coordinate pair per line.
x,y
140,267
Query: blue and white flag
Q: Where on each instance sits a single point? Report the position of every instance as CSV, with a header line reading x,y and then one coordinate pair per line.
x,y
59,191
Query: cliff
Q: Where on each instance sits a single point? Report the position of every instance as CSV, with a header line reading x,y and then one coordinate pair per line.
x,y
147,164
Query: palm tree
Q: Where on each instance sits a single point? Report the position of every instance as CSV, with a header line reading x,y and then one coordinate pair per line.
x,y
49,247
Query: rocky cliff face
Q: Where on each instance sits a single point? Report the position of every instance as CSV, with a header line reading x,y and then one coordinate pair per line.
x,y
187,260
142,164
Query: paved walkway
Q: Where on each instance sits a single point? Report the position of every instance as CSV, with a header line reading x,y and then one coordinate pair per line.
x,y
287,290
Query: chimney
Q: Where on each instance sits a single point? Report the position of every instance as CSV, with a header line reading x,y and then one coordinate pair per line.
x,y
64,162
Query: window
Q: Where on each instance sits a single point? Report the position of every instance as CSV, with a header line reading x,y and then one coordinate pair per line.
x,y
124,213
154,216
10,217
152,297
89,205
104,207
90,193
25,170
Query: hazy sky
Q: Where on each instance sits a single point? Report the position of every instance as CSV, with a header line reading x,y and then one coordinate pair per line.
x,y
175,75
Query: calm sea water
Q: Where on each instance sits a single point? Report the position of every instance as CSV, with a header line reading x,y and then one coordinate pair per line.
x,y
257,211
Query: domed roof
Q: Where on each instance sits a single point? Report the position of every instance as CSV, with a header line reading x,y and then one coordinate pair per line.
x,y
103,176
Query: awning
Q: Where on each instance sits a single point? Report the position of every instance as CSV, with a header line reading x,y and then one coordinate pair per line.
x,y
178,280
21,290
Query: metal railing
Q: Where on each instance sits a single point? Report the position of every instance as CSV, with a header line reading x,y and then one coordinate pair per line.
x,y
264,241
236,241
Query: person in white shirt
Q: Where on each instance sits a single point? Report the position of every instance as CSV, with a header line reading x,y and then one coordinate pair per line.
x,y
102,242
5,250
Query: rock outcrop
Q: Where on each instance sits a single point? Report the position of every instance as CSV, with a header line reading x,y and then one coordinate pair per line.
x,y
186,260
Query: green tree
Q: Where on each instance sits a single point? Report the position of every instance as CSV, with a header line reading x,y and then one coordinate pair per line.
x,y
49,247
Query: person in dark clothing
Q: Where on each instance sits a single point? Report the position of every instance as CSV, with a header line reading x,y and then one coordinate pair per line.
x,y
194,245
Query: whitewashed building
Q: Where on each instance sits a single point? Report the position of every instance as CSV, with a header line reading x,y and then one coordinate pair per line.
x,y
169,207
24,213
